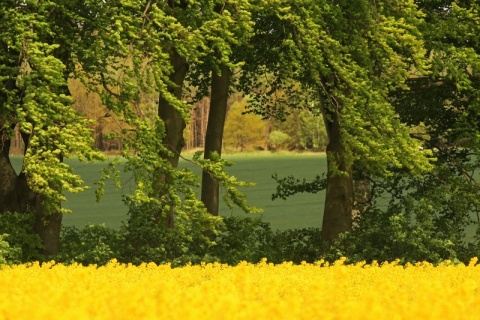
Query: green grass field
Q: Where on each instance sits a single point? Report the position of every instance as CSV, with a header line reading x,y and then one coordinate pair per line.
x,y
301,210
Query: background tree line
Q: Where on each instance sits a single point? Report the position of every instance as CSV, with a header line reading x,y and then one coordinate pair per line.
x,y
301,130
395,84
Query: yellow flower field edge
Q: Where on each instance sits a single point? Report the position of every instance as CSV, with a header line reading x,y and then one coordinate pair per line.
x,y
245,291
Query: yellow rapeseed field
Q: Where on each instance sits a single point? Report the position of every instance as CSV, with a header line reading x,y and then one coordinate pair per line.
x,y
246,291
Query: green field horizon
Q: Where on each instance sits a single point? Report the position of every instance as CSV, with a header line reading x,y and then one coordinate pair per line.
x,y
298,211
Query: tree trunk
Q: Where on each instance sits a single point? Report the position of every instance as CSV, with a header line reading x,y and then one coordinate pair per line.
x,y
337,216
8,178
362,193
16,196
47,226
214,135
174,123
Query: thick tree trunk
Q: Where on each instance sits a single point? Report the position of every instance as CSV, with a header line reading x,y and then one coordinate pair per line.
x,y
174,123
15,193
16,196
47,226
8,178
214,135
337,216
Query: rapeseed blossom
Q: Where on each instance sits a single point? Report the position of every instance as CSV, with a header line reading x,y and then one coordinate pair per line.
x,y
246,291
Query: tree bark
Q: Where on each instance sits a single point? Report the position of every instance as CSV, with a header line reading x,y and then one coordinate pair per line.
x,y
337,216
47,226
17,196
173,120
174,124
362,193
214,135
8,177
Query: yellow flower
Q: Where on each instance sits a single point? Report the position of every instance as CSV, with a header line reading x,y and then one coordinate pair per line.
x,y
247,291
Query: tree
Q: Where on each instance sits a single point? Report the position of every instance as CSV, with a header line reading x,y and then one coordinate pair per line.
x,y
243,131
276,139
214,135
35,64
348,57
229,25
156,45
442,106
305,129
312,133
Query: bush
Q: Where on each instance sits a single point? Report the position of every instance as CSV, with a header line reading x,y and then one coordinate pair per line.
x,y
4,249
148,238
23,244
296,245
384,236
242,239
379,236
251,239
93,244
277,139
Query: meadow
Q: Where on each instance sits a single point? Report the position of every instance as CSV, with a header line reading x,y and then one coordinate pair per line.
x,y
246,291
299,211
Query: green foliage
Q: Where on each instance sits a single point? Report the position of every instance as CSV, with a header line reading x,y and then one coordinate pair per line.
x,y
239,239
276,139
5,250
35,98
223,27
251,239
215,166
345,58
429,217
305,129
386,236
349,62
137,59
17,231
296,245
379,235
92,244
148,237
242,239
289,186
415,219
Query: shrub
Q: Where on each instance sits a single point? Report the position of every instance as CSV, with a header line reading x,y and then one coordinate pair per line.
x,y
251,239
277,139
23,244
4,249
242,239
295,245
93,244
149,239
386,236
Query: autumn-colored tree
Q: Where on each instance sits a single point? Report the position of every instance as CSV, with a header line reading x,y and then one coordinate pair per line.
x,y
244,131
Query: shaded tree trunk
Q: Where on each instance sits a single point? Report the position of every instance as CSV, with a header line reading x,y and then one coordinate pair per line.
x,y
337,216
174,123
17,196
47,226
214,135
362,194
9,201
